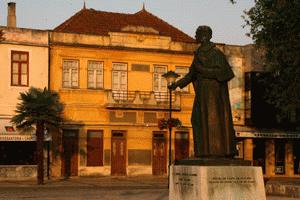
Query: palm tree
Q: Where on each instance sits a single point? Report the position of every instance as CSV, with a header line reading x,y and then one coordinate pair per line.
x,y
40,108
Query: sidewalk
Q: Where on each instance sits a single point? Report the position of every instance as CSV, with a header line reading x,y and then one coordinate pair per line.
x,y
285,187
160,182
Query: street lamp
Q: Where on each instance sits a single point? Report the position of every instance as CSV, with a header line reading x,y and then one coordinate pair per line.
x,y
171,77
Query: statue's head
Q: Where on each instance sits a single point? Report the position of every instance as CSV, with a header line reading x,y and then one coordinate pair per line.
x,y
203,34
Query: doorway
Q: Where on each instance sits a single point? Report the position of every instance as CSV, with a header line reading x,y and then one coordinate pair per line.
x,y
181,145
118,153
296,152
259,155
159,152
280,157
69,165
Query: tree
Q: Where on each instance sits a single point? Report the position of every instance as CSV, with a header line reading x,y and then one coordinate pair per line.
x,y
1,35
40,108
275,27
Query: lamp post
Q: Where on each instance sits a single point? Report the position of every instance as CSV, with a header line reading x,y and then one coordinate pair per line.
x,y
171,77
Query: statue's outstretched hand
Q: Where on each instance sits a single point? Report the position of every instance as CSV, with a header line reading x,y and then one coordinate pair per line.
x,y
173,86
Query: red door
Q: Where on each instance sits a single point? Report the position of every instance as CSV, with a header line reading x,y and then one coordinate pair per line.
x,y
94,148
118,153
69,162
181,145
159,160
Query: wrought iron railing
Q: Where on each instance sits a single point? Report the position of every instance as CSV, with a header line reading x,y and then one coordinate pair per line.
x,y
141,100
130,96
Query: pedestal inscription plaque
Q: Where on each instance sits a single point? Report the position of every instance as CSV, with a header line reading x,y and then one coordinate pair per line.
x,y
216,183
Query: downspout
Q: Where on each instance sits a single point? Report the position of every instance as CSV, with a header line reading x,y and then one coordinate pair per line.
x,y
48,142
49,60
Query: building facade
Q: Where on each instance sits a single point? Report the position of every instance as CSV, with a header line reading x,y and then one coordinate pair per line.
x,y
23,63
114,95
108,68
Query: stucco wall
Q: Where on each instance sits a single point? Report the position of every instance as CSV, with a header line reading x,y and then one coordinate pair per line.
x,y
33,42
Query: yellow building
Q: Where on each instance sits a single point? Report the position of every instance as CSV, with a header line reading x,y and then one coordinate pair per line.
x,y
107,69
110,80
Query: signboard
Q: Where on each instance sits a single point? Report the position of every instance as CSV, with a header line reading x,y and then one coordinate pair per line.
x,y
267,135
19,137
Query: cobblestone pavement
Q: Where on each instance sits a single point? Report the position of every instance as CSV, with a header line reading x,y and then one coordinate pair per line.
x,y
104,188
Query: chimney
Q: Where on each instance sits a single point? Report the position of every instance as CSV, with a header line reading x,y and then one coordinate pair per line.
x,y
11,15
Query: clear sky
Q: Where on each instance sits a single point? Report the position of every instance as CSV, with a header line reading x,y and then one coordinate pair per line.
x,y
186,15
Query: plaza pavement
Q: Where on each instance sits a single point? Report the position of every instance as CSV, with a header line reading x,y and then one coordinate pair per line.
x,y
97,188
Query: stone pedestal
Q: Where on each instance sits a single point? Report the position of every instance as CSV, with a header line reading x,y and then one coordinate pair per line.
x,y
190,182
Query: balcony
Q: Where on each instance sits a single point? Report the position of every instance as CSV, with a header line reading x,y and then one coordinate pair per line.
x,y
141,100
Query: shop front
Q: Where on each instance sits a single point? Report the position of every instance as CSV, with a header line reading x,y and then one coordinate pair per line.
x,y
278,153
18,152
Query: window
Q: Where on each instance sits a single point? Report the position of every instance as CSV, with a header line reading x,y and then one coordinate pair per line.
x,y
119,76
70,74
19,68
95,148
119,81
160,83
95,74
182,71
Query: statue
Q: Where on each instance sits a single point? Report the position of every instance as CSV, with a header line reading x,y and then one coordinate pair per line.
x,y
213,132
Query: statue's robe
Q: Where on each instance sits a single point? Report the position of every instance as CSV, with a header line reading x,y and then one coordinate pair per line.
x,y
213,131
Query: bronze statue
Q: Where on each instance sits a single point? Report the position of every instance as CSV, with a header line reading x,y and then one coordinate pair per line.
x,y
209,72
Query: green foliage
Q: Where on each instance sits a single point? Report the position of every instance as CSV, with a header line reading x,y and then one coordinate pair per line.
x,y
169,123
1,35
274,27
38,106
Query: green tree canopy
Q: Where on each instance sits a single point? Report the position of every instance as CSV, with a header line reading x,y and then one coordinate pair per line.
x,y
40,108
274,27
1,35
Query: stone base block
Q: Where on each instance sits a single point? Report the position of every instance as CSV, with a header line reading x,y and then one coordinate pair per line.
x,y
216,183
18,171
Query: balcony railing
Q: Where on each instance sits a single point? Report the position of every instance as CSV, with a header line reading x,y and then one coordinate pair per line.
x,y
141,100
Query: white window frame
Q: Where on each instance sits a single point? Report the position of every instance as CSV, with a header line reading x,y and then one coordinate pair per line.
x,y
161,90
119,80
161,82
182,71
95,69
69,70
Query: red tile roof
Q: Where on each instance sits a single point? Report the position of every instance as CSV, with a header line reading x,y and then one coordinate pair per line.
x,y
90,21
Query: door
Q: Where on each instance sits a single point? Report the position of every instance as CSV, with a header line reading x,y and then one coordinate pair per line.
x,y
181,145
280,156
69,165
296,153
259,155
159,160
94,148
118,153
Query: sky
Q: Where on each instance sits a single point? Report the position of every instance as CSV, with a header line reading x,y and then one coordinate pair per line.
x,y
223,17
